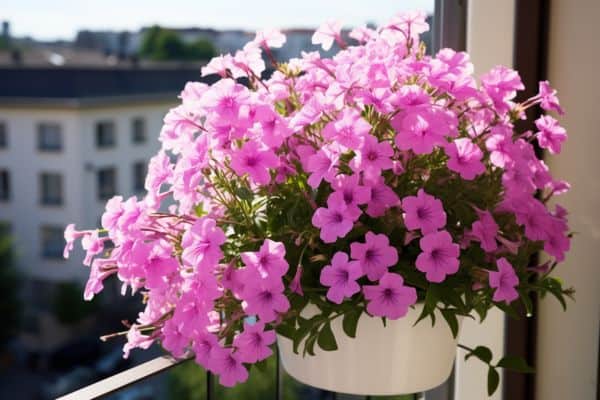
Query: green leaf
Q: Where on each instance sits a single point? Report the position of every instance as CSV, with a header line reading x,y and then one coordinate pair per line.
x,y
492,381
450,317
244,193
350,323
481,352
262,365
326,339
515,363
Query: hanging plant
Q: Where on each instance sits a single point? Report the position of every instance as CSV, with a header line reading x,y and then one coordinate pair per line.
x,y
371,184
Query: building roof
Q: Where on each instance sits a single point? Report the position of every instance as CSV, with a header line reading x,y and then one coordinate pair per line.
x,y
76,86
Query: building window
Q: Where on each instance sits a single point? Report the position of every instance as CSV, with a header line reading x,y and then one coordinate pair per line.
x,y
107,183
51,189
139,176
105,134
49,137
138,130
52,241
4,185
3,136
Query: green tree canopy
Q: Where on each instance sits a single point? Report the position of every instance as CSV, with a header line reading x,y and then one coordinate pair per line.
x,y
164,44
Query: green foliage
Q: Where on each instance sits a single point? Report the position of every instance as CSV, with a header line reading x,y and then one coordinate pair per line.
x,y
10,306
164,44
69,306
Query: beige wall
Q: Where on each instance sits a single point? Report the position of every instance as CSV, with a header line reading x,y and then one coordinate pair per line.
x,y
568,342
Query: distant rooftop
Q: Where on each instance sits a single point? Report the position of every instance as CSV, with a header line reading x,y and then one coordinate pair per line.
x,y
79,86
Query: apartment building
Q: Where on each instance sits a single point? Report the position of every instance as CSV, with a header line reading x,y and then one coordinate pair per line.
x,y
69,140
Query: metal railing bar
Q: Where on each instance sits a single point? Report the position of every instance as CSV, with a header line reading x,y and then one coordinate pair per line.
x,y
210,386
278,383
124,379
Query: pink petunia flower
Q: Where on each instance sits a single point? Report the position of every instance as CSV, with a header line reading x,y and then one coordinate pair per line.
x,y
549,101
341,277
269,260
423,212
439,257
327,33
375,255
504,281
322,165
550,135
334,221
252,345
485,230
202,244
265,298
382,198
207,350
390,298
465,158
230,369
255,161
373,157
349,129
348,191
270,38
225,98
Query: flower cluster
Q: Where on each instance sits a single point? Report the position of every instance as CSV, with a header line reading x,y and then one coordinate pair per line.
x,y
365,182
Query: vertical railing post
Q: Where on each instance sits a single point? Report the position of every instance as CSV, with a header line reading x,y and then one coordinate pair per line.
x,y
210,386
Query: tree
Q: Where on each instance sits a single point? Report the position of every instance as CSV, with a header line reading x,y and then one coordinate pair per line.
x,y
10,306
164,44
69,306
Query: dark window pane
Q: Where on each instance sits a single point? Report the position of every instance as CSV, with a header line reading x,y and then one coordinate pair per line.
x,y
3,136
138,130
52,242
51,189
49,137
107,183
105,134
4,185
139,176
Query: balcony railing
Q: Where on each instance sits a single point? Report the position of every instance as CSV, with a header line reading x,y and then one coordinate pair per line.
x,y
162,364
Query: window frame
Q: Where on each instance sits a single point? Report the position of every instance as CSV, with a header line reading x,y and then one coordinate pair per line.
x,y
4,140
49,201
139,135
101,194
53,254
5,185
142,175
99,133
42,145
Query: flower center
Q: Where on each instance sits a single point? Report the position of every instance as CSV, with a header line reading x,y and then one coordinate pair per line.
x,y
372,156
423,212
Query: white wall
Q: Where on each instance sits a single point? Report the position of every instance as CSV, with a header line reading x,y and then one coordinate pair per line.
x,y
567,362
81,206
490,27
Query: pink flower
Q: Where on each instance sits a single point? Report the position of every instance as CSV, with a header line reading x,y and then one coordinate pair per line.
x,y
71,235
93,245
322,165
375,255
252,345
348,191
423,212
114,210
373,157
334,221
225,98
439,257
550,135
382,198
174,340
327,33
269,261
341,277
296,283
549,101
255,161
265,298
485,230
349,129
390,298
465,158
504,281
423,129
202,244
501,84
269,38
230,369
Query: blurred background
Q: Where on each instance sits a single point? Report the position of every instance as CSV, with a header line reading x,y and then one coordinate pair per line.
x,y
84,87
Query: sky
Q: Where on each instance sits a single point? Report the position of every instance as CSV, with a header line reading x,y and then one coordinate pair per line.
x,y
61,19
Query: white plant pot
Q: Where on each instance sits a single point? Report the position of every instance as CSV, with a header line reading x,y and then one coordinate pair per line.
x,y
397,359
